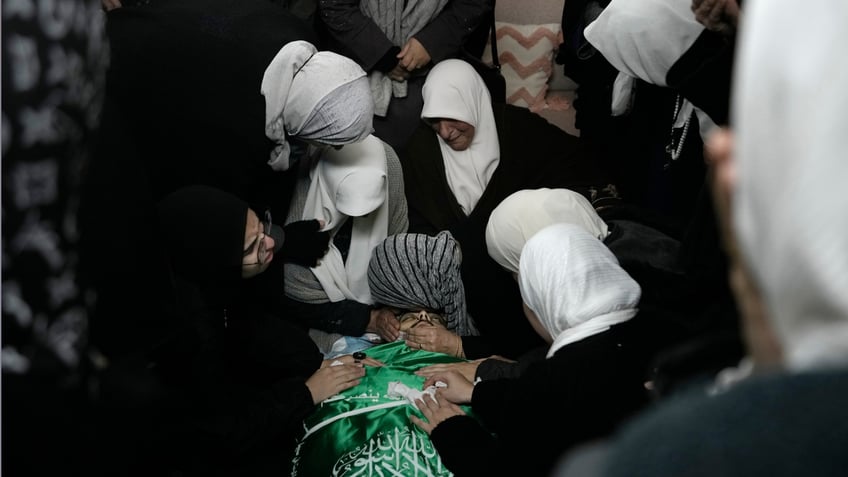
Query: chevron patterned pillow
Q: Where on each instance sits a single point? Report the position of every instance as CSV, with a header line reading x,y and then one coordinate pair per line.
x,y
526,54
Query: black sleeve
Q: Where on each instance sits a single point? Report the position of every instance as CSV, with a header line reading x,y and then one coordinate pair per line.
x,y
255,418
445,36
495,368
388,61
465,447
350,33
347,317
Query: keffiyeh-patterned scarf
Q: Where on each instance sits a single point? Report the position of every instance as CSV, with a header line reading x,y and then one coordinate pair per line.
x,y
418,271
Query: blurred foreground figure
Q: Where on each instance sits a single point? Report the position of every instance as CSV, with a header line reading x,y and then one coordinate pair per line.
x,y
780,201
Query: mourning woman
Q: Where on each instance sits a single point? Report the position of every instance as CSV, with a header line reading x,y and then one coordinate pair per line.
x,y
465,158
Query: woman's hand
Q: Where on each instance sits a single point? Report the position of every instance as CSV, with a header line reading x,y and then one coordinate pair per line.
x,y
384,322
467,369
458,390
331,380
435,338
398,73
413,55
435,410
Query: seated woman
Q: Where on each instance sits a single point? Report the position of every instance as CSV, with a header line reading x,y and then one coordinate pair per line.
x,y
584,305
357,190
419,274
460,164
240,378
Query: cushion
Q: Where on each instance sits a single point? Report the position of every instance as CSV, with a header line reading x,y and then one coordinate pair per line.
x,y
526,54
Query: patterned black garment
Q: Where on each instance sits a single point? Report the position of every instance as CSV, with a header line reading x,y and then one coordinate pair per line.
x,y
54,62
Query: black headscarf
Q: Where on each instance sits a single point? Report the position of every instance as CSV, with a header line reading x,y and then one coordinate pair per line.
x,y
202,231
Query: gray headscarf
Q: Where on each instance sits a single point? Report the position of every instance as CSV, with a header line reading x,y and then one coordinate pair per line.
x,y
317,95
418,271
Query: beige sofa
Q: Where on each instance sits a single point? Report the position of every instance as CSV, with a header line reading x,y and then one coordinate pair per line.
x,y
528,35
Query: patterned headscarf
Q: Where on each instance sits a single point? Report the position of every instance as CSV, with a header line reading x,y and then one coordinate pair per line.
x,y
418,271
574,284
317,95
523,213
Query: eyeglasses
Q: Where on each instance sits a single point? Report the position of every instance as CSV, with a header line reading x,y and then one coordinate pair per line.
x,y
262,252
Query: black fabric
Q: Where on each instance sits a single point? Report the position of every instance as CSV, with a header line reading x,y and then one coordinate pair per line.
x,y
491,74
203,230
188,75
305,243
494,368
534,154
346,317
703,74
492,77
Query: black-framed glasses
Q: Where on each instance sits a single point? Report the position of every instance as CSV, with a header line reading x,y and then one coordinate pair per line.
x,y
262,252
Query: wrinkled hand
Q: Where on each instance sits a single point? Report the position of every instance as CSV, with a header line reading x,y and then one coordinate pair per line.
x,y
467,369
435,411
304,243
458,389
413,55
331,380
435,338
384,322
720,16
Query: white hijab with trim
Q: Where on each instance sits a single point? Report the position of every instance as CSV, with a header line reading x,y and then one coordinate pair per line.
x,y
790,208
454,90
316,95
525,212
350,184
574,284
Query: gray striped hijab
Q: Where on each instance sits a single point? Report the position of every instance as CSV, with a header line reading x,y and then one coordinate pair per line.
x,y
419,271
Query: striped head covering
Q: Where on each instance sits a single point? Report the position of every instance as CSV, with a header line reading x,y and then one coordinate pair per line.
x,y
419,271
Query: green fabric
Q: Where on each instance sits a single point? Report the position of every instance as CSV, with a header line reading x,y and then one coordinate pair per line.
x,y
376,437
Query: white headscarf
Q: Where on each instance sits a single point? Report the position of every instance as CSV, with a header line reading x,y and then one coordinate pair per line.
x,y
523,213
453,90
350,184
574,284
790,208
317,95
644,39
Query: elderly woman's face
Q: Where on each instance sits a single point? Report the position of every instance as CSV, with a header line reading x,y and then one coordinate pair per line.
x,y
457,134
